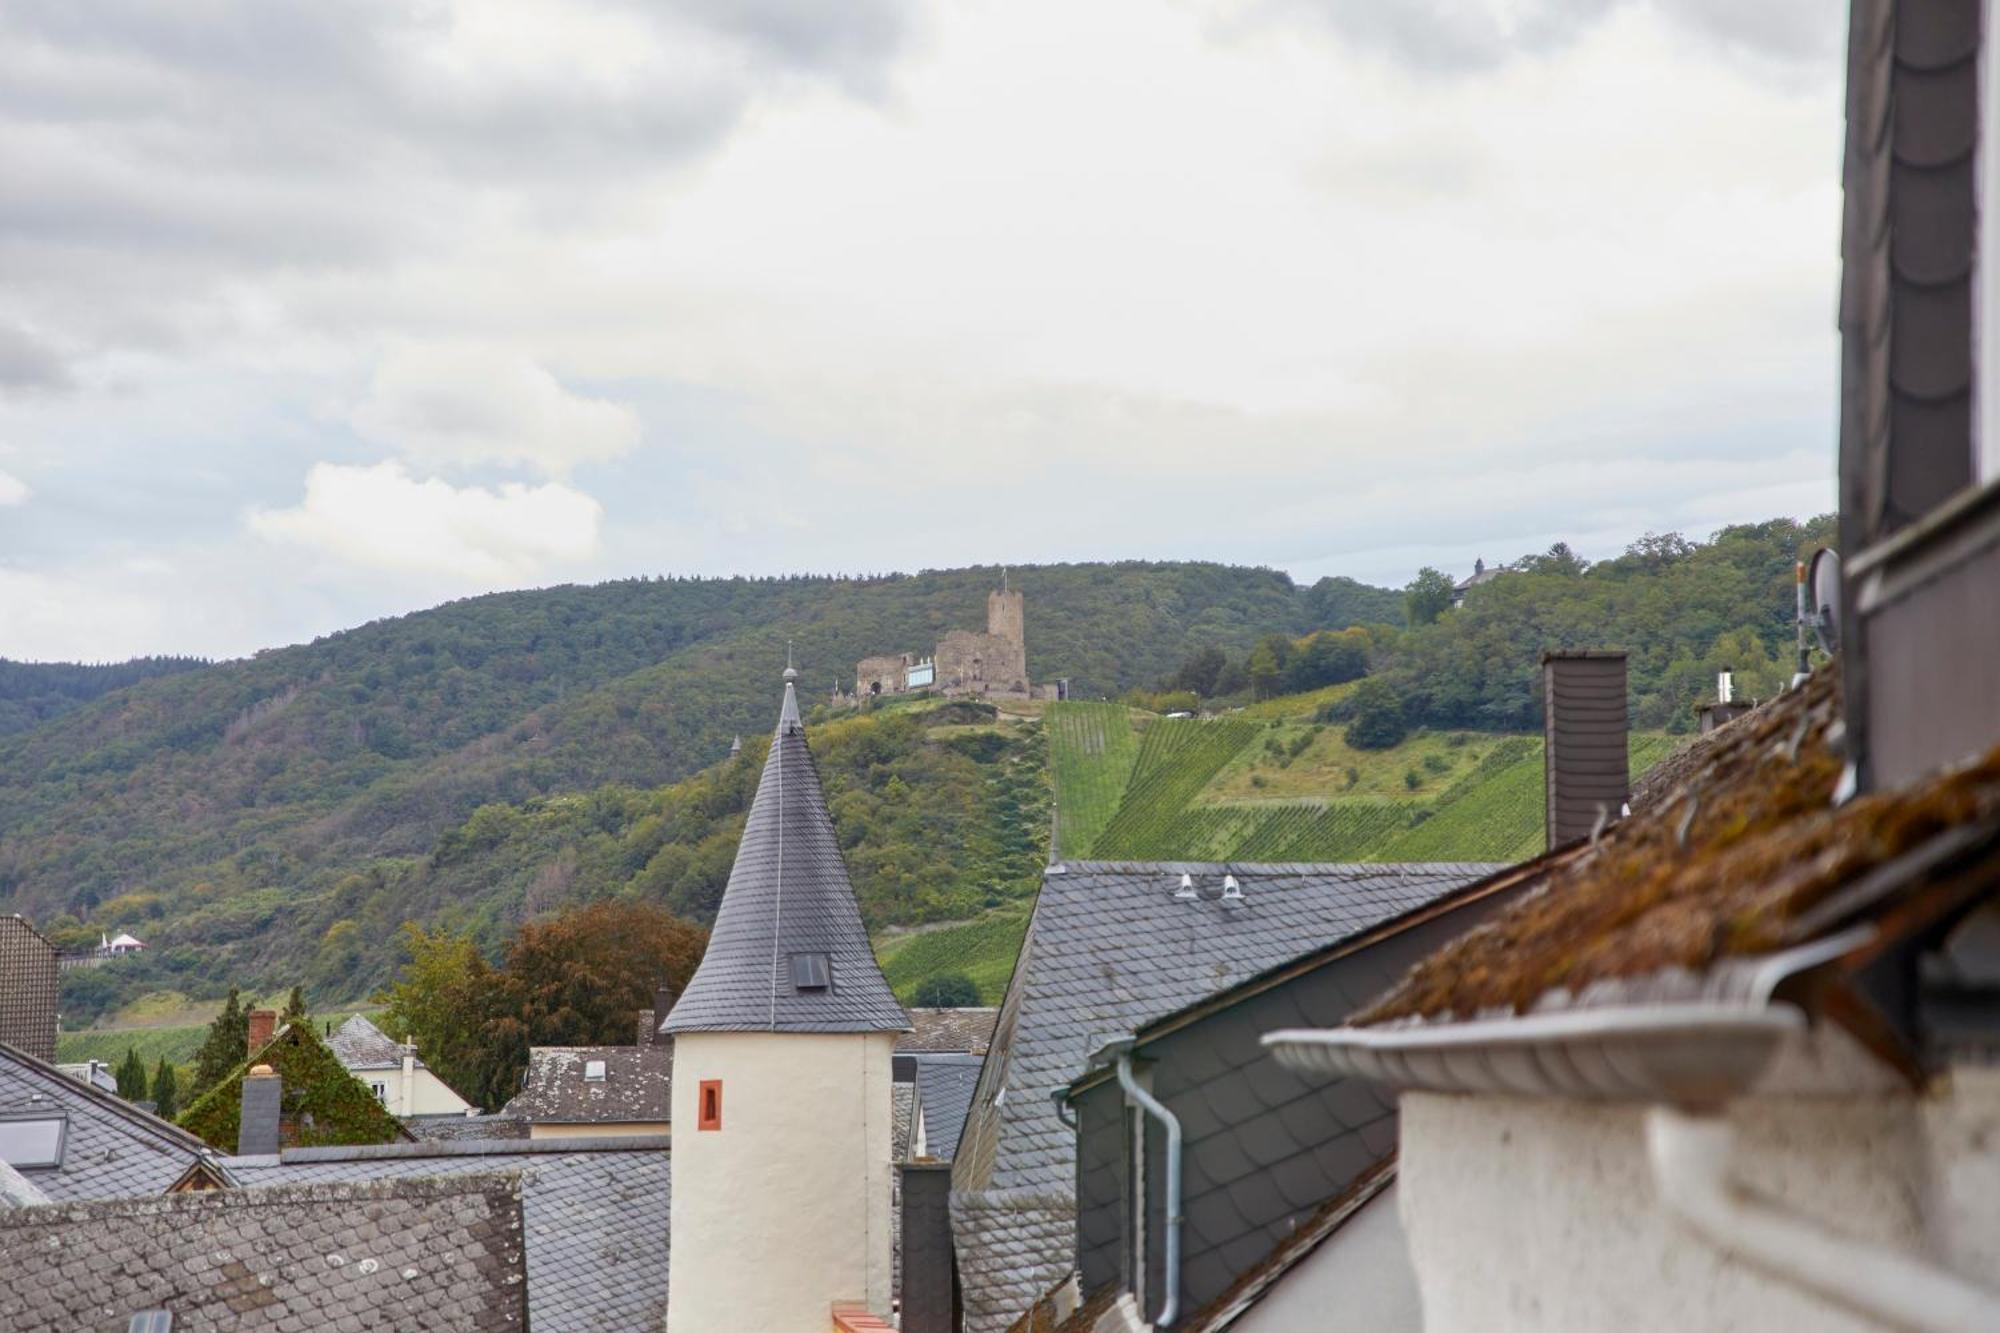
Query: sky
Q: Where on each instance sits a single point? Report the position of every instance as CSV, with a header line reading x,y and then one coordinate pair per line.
x,y
313,313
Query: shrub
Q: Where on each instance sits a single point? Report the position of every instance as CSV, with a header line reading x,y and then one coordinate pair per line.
x,y
1378,722
1436,763
1412,779
947,990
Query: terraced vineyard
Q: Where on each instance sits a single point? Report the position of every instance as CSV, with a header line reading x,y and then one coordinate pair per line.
x,y
983,950
1192,788
1093,749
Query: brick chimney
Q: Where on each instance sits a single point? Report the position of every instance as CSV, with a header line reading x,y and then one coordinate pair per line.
x,y
650,1019
263,1022
1587,768
257,1121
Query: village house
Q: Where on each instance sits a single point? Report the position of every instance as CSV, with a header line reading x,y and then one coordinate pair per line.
x,y
400,1080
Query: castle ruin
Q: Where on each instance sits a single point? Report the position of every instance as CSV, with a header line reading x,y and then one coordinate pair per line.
x,y
965,662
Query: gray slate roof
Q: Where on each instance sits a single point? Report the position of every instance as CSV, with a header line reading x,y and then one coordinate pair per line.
x,y
113,1148
359,1044
1108,949
27,988
637,1085
402,1254
595,1212
944,1095
965,1030
788,894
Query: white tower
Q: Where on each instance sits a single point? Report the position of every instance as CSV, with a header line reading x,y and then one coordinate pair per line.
x,y
782,1071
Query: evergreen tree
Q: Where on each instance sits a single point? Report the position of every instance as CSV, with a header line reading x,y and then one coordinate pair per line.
x,y
132,1076
224,1047
166,1091
295,1006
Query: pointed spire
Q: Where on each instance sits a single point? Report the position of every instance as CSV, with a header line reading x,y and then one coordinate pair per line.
x,y
788,952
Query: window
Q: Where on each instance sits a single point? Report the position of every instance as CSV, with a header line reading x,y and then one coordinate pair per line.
x,y
593,1071
811,972
33,1140
710,1110
381,1091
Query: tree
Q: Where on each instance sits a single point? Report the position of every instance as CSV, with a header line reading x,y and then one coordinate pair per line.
x,y
223,1048
1558,559
1327,658
1377,716
295,1006
1428,596
1201,670
444,997
166,1091
1267,665
946,990
131,1075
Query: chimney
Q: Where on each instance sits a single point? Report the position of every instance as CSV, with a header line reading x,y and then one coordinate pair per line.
x,y
1587,771
263,1022
930,1294
257,1123
663,1004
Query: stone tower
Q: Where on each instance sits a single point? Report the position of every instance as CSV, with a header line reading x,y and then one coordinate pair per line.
x,y
782,1074
1005,615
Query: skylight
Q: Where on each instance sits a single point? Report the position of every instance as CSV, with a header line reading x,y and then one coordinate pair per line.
x,y
35,1140
593,1071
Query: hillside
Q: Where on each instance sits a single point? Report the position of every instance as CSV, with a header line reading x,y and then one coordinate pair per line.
x,y
32,693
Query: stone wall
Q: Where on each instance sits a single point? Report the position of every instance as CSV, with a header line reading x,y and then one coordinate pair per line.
x,y
881,675
969,663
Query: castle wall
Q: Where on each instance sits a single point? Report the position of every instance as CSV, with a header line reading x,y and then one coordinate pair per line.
x,y
881,675
969,663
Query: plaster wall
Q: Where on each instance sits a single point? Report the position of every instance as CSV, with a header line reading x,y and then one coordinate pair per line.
x,y
420,1092
786,1208
1528,1214
611,1129
1359,1277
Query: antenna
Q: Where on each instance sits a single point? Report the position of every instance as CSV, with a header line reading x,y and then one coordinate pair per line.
x,y
1804,667
791,672
1823,581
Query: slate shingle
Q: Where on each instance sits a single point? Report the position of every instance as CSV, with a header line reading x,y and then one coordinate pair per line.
x,y
113,1147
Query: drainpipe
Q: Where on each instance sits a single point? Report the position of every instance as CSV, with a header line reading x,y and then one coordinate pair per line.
x,y
1152,1107
1690,1158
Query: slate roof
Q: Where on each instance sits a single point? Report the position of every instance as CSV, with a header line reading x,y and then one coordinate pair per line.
x,y
944,1095
788,895
27,988
595,1212
1109,948
403,1254
359,1044
464,1128
637,1085
964,1030
113,1147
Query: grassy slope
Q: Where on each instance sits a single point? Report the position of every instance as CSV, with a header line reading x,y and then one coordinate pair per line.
x,y
983,950
1093,750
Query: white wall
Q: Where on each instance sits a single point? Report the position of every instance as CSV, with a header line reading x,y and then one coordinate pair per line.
x,y
414,1092
785,1209
1541,1215
1358,1278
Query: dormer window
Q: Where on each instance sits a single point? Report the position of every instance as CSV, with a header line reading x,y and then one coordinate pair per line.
x,y
593,1071
811,972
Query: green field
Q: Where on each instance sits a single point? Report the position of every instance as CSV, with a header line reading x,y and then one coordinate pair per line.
x,y
176,1043
983,950
1271,784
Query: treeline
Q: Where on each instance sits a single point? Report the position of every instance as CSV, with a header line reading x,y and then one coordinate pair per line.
x,y
1682,610
32,693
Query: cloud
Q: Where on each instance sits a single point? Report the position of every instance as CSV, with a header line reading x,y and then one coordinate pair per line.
x,y
382,518
461,404
13,490
26,363
1467,36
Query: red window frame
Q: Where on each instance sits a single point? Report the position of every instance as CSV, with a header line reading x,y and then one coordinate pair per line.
x,y
709,1104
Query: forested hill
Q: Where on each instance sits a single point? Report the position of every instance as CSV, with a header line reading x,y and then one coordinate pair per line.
x,y
32,693
281,771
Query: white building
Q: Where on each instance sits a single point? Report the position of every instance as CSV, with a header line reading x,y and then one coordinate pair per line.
x,y
392,1071
782,1075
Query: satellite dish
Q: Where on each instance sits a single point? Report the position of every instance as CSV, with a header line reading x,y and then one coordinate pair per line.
x,y
1823,582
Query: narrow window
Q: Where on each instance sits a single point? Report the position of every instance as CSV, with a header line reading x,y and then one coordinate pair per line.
x,y
711,1104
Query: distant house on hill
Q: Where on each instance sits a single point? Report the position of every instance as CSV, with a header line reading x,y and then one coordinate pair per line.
x,y
403,1083
115,946
1480,574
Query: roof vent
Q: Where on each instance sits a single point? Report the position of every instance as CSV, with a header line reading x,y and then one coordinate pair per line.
x,y
1232,892
1186,892
593,1071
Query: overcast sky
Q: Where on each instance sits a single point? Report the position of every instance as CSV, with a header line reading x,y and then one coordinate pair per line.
x,y
314,312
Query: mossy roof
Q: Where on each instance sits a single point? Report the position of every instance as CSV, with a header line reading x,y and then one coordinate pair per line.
x,y
323,1103
1746,854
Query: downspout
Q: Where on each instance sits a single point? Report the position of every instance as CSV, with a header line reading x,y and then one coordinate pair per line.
x,y
1690,1158
1152,1107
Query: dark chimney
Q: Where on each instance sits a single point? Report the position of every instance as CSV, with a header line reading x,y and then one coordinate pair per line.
x,y
263,1022
650,1019
257,1123
1583,716
930,1272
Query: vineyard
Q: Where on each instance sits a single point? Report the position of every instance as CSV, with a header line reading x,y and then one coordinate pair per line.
x,y
983,950
1280,787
